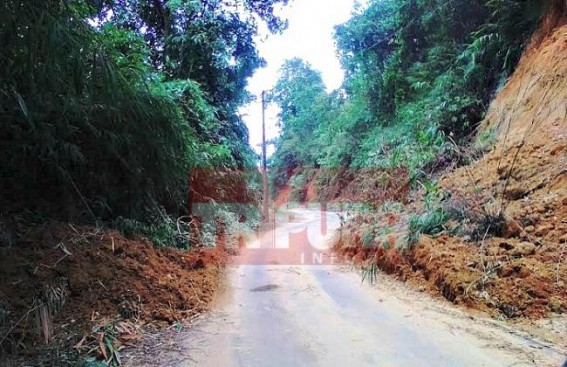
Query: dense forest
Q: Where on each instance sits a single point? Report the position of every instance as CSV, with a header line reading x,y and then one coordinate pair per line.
x,y
109,107
419,77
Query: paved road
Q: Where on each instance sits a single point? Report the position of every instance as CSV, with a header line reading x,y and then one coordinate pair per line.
x,y
283,313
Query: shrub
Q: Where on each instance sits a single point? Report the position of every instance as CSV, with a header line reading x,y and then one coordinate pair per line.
x,y
430,223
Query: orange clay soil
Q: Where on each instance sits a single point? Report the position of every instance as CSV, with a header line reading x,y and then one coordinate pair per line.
x,y
521,271
86,276
284,196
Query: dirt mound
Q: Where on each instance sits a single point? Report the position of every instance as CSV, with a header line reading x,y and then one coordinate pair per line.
x,y
375,186
513,259
529,120
78,276
284,196
509,276
364,185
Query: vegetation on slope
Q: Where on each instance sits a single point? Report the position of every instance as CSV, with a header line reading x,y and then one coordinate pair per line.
x,y
420,76
119,113
107,106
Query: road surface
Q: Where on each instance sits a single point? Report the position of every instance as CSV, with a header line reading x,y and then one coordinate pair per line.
x,y
285,306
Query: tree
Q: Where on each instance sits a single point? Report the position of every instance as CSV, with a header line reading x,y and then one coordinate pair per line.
x,y
108,105
417,72
300,93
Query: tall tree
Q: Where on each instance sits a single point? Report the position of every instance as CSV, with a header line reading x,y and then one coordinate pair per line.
x,y
106,105
300,93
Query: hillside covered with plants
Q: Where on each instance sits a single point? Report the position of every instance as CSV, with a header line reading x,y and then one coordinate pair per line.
x,y
419,77
108,106
449,130
127,179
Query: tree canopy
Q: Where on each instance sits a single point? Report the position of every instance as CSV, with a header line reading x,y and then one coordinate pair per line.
x,y
107,105
419,76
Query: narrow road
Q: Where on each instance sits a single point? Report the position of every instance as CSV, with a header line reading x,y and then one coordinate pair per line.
x,y
281,307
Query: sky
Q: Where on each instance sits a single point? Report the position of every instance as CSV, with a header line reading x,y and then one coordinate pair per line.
x,y
309,37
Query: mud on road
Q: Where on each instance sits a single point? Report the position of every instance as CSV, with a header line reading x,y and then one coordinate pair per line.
x,y
322,315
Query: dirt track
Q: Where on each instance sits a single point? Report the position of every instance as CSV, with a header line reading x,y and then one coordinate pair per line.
x,y
282,313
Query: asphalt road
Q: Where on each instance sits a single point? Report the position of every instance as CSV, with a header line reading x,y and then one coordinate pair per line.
x,y
285,306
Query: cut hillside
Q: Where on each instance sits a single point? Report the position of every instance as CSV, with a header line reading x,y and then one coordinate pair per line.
x,y
525,177
86,290
502,245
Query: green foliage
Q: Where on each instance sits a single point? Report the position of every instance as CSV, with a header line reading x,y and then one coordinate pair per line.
x,y
430,223
300,93
419,76
486,139
162,232
82,122
298,184
107,106
368,236
370,272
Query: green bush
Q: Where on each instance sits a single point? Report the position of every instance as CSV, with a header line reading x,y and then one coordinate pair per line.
x,y
106,107
162,232
430,223
419,75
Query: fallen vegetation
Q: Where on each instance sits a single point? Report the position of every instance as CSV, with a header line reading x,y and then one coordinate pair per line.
x,y
70,291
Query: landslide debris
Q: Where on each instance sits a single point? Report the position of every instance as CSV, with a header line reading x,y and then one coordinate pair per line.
x,y
508,252
67,289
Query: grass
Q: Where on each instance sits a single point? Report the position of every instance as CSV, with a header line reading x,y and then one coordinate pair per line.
x,y
370,272
430,223
486,139
368,236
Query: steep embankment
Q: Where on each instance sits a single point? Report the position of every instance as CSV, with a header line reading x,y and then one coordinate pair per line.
x,y
505,247
525,175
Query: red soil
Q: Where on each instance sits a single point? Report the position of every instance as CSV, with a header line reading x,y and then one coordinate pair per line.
x,y
84,275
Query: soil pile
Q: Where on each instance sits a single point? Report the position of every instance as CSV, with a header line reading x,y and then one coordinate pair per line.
x,y
363,185
284,196
511,253
61,280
